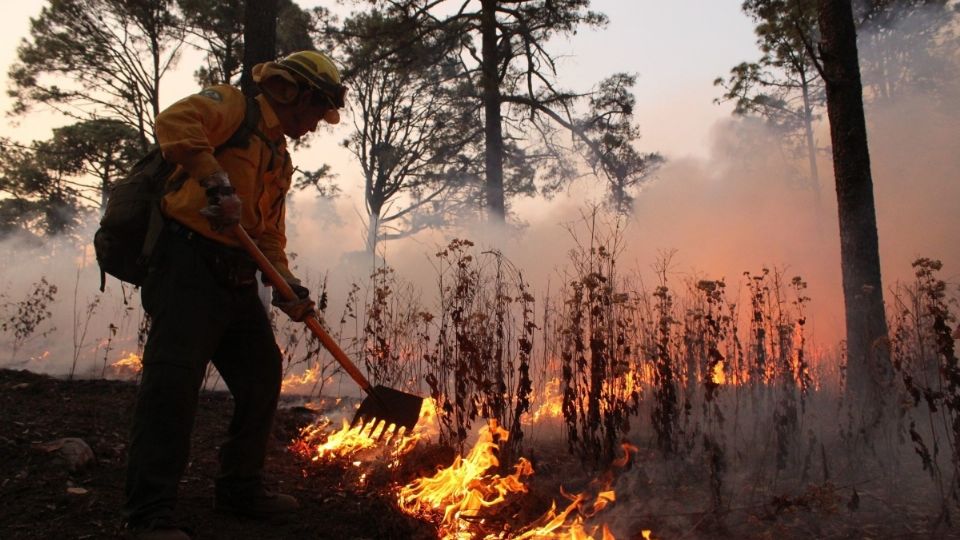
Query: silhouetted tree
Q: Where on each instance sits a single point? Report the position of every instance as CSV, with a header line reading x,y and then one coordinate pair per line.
x,y
904,44
907,45
609,133
95,154
90,59
783,86
35,199
53,183
260,39
868,371
216,27
511,79
412,129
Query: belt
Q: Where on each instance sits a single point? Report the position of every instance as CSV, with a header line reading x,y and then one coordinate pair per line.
x,y
232,266
193,236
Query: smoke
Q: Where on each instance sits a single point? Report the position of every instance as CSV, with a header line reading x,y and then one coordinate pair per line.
x,y
79,328
736,211
744,207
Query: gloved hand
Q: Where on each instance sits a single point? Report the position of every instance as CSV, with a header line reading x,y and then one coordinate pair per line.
x,y
223,204
298,310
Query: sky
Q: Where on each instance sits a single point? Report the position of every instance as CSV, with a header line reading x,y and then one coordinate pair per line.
x,y
677,47
724,203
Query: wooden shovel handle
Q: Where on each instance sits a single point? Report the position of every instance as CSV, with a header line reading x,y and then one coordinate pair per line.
x,y
287,293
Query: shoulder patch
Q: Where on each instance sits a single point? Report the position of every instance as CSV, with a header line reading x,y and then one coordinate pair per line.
x,y
212,94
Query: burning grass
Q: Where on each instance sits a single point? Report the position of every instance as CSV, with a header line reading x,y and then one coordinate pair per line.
x,y
459,494
466,498
733,403
741,420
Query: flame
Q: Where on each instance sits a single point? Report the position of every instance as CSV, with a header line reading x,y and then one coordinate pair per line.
x,y
561,526
459,495
465,488
628,451
317,443
41,357
428,425
570,523
717,374
339,444
551,403
294,383
128,366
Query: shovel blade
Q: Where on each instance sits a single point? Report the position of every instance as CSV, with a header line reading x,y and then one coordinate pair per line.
x,y
391,406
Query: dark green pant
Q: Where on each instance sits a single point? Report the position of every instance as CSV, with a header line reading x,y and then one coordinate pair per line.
x,y
198,316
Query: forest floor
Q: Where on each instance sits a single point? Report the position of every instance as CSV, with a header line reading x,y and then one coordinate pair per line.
x,y
41,498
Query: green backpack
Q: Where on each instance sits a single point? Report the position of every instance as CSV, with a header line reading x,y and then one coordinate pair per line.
x,y
132,221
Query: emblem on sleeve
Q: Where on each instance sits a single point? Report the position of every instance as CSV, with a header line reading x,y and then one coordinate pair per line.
x,y
212,94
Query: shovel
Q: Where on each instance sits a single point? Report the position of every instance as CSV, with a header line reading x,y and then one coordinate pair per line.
x,y
382,404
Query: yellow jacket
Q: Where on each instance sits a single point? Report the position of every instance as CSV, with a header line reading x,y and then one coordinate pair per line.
x,y
188,132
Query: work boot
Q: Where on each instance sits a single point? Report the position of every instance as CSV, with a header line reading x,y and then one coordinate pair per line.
x,y
263,504
157,529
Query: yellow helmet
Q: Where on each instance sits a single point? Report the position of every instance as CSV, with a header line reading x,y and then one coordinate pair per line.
x,y
318,70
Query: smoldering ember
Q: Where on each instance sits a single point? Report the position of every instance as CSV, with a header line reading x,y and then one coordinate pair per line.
x,y
407,269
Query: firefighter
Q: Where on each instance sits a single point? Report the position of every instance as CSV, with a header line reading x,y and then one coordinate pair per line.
x,y
201,291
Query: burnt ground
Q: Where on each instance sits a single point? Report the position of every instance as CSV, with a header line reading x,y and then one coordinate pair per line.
x,y
41,498
35,501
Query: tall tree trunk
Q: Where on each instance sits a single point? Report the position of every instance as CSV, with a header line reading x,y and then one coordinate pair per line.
x,y
868,366
259,39
493,129
232,47
104,193
810,143
373,232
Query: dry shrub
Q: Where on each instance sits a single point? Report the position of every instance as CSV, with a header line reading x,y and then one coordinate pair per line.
x,y
600,382
478,364
392,330
23,319
925,358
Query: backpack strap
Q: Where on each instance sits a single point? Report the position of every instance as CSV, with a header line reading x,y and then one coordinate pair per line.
x,y
154,228
249,126
240,139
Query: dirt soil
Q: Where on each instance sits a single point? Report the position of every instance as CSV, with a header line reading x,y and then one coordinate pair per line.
x,y
41,498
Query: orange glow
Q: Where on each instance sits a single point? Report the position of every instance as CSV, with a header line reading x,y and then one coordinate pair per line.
x,y
550,403
628,451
